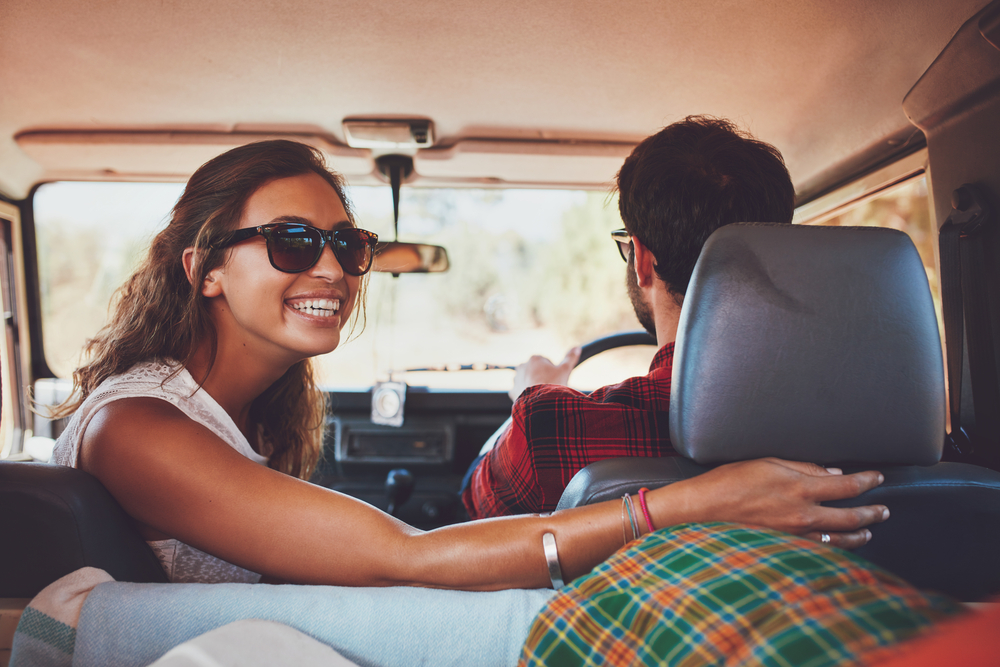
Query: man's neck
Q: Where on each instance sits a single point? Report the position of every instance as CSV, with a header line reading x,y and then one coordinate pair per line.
x,y
666,316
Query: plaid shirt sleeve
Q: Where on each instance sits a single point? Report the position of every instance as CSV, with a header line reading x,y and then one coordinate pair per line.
x,y
557,431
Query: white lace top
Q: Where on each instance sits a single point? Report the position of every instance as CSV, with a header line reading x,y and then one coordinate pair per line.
x,y
183,563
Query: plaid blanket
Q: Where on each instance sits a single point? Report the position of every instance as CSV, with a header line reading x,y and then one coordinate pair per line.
x,y
724,594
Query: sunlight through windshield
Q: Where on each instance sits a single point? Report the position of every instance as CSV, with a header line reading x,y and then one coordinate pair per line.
x,y
532,272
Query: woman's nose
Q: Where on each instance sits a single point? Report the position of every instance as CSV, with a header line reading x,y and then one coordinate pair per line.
x,y
327,266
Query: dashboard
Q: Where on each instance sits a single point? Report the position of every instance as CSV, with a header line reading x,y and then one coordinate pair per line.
x,y
441,435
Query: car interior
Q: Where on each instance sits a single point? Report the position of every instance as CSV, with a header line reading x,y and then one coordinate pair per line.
x,y
481,143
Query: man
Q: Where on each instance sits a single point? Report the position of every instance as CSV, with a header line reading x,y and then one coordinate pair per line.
x,y
675,189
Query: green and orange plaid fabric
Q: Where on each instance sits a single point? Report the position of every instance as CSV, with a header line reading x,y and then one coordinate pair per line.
x,y
725,594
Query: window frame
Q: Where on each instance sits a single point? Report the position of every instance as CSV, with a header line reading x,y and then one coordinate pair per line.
x,y
864,189
15,349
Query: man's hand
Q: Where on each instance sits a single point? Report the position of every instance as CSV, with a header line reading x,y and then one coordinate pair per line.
x,y
539,370
786,496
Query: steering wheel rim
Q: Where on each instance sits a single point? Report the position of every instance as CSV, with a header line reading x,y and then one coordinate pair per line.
x,y
623,339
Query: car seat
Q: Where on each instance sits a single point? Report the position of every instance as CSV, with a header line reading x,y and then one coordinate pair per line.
x,y
56,520
821,344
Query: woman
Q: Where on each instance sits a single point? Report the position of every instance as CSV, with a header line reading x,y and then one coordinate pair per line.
x,y
200,414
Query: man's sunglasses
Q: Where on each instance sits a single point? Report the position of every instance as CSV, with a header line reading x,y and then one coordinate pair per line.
x,y
623,240
294,247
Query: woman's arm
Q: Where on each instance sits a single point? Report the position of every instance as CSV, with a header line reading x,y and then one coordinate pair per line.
x,y
176,477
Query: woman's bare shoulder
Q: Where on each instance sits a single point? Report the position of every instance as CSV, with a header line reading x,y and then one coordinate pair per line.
x,y
166,469
137,432
149,417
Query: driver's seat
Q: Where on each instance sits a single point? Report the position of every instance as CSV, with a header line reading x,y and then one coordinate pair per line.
x,y
821,344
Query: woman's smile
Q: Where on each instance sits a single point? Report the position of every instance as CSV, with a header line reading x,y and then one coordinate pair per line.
x,y
316,307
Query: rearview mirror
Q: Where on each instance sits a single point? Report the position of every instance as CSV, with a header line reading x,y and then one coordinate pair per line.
x,y
395,257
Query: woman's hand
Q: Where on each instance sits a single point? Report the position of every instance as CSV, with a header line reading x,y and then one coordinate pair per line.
x,y
778,494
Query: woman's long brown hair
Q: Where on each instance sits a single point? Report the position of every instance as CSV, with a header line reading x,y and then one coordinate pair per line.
x,y
159,314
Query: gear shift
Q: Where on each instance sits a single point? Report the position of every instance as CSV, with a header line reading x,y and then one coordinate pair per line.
x,y
398,488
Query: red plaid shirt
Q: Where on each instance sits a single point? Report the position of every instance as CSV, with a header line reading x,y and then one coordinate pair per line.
x,y
557,431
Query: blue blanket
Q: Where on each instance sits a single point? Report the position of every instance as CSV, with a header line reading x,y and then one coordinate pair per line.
x,y
134,624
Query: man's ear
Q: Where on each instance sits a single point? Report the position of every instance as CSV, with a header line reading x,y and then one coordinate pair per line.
x,y
644,263
210,286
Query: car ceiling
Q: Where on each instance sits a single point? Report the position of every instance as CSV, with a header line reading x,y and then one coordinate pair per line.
x,y
536,93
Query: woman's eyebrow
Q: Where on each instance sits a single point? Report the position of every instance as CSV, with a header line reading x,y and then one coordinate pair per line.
x,y
295,219
299,220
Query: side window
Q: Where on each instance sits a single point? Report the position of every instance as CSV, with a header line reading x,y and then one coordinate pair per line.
x,y
90,237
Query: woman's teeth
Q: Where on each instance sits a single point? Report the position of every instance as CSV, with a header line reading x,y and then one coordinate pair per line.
x,y
318,307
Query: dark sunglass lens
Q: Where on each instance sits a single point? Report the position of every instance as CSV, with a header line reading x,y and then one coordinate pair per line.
x,y
354,252
295,248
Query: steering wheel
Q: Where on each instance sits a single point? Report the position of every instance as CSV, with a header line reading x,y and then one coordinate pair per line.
x,y
587,350
605,343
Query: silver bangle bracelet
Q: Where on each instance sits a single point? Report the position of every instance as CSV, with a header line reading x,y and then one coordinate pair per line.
x,y
552,560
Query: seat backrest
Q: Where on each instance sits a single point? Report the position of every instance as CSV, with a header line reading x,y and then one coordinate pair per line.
x,y
55,520
820,344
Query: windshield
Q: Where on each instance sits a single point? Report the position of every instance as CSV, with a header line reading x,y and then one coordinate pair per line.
x,y
532,272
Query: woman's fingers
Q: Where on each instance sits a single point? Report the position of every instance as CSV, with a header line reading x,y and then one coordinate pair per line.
x,y
851,540
847,519
831,483
804,468
841,487
835,479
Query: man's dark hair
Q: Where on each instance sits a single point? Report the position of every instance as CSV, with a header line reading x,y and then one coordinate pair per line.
x,y
690,178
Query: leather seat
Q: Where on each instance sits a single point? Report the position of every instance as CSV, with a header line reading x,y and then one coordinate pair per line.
x,y
56,520
821,344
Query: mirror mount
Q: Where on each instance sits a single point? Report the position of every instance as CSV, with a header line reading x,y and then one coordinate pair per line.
x,y
393,256
396,169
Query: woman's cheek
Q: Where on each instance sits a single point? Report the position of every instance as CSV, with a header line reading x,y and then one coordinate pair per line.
x,y
354,287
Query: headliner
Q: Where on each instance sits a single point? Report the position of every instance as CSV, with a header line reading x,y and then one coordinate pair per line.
x,y
577,83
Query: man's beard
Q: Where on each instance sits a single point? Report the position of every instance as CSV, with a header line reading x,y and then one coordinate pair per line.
x,y
641,307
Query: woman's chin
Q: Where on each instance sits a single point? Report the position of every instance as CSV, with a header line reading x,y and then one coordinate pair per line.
x,y
309,344
319,350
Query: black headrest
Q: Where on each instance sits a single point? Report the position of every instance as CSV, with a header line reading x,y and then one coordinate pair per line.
x,y
808,343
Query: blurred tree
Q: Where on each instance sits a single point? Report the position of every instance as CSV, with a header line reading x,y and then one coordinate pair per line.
x,y
580,289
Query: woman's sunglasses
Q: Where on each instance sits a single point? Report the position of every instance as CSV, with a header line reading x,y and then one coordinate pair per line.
x,y
294,248
624,242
